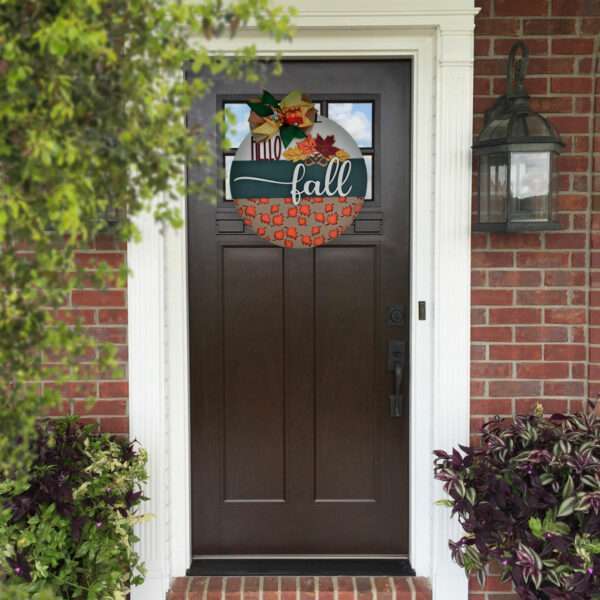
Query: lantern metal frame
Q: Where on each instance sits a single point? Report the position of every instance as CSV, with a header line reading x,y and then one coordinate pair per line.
x,y
507,132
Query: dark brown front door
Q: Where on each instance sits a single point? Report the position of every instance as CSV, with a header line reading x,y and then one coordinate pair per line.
x,y
294,447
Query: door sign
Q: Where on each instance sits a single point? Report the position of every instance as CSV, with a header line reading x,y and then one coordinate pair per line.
x,y
298,179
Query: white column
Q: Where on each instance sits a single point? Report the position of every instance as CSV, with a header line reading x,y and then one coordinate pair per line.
x,y
178,401
452,232
147,402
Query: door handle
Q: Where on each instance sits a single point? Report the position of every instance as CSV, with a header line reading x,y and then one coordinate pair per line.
x,y
396,352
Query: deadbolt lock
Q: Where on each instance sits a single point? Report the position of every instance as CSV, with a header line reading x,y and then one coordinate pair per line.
x,y
395,315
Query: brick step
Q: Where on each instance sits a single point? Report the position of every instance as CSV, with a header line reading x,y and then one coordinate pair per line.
x,y
300,588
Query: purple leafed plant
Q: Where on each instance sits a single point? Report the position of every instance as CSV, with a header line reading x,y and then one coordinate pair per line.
x,y
529,498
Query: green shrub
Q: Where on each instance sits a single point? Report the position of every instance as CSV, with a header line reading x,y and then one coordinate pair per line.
x,y
68,527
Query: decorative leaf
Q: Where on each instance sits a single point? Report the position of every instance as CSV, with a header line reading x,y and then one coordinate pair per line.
x,y
269,99
263,110
289,133
292,99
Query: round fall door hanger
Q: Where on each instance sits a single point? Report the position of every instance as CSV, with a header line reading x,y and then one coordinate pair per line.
x,y
298,179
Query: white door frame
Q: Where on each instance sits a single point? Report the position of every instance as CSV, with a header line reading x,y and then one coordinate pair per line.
x,y
438,36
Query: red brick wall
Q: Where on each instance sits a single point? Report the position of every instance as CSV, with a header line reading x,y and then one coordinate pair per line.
x,y
536,314
104,313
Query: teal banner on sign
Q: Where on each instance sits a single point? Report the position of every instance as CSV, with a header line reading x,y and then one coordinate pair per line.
x,y
285,179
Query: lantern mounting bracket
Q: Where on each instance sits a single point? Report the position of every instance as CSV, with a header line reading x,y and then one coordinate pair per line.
x,y
516,70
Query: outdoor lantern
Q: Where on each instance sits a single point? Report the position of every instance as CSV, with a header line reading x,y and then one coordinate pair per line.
x,y
517,152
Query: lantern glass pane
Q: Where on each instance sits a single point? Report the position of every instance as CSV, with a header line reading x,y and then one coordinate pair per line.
x,y
493,170
530,186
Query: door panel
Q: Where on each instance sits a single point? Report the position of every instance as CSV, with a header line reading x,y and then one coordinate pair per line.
x,y
344,373
294,449
253,360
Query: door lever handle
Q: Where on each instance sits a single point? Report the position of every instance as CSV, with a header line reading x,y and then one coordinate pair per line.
x,y
396,351
396,399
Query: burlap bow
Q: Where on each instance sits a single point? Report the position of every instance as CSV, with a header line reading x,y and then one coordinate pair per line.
x,y
288,117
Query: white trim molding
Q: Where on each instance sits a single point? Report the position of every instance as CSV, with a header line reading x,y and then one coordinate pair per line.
x,y
437,35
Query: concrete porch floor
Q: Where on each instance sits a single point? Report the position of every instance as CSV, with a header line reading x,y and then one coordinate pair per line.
x,y
299,588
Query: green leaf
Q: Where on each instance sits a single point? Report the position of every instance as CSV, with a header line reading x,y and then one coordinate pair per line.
x,y
262,110
269,99
445,502
568,488
289,133
567,507
535,525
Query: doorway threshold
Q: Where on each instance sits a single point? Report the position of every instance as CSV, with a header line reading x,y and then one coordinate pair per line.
x,y
369,567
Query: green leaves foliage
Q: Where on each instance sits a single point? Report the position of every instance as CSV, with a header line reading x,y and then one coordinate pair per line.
x,y
67,529
93,109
